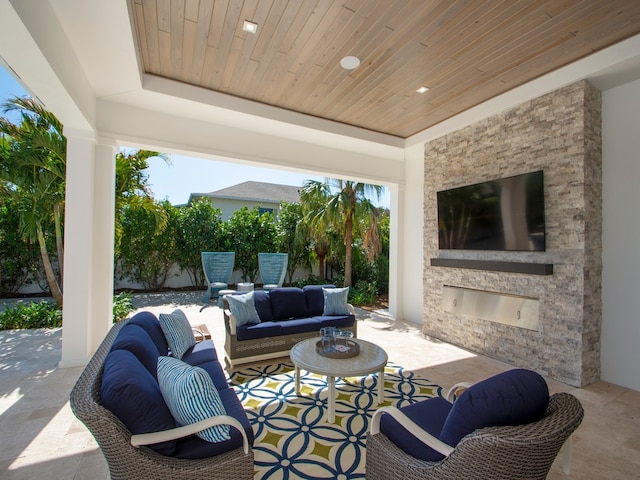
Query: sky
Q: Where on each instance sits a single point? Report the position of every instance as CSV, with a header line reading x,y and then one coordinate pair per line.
x,y
177,179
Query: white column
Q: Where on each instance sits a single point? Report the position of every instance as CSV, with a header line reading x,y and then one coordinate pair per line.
x,y
88,263
411,241
396,259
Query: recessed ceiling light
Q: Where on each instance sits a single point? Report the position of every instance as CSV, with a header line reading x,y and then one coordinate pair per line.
x,y
250,27
422,89
349,63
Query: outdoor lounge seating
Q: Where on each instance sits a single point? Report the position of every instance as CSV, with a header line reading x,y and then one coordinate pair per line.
x,y
273,268
127,394
281,318
505,427
217,267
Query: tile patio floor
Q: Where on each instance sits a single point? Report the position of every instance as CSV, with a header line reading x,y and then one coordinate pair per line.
x,y
40,437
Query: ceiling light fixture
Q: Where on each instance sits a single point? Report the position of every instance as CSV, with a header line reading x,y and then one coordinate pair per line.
x,y
349,63
422,89
250,27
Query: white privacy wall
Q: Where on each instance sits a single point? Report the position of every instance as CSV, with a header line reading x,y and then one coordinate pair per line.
x,y
620,341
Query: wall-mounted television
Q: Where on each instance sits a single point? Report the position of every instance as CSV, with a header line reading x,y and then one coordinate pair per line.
x,y
503,214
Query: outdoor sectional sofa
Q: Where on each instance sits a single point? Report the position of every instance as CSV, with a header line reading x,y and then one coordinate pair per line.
x,y
121,398
287,315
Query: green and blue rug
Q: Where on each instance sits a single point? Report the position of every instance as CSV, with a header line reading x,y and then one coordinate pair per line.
x,y
293,439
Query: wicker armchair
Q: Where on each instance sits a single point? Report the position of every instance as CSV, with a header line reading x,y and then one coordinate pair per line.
x,y
217,267
273,268
508,452
127,461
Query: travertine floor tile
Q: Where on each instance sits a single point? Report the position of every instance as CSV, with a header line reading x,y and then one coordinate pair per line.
x,y
41,438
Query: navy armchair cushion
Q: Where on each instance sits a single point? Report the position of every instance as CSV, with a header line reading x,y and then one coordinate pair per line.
x,y
136,340
514,397
149,322
430,415
133,395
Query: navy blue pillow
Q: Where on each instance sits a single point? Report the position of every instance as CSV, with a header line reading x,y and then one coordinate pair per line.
x,y
315,298
136,340
288,302
515,397
149,322
133,395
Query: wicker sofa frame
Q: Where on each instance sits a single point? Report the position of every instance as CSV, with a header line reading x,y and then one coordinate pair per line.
x,y
126,461
243,351
515,452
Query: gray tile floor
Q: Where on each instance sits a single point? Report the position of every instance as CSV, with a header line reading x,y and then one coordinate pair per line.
x,y
40,437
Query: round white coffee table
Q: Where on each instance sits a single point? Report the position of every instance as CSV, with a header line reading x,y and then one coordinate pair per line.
x,y
371,359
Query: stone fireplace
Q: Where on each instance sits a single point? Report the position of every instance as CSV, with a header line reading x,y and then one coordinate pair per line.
x,y
560,134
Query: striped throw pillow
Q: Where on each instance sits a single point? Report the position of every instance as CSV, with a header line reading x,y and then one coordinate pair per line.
x,y
335,301
191,396
177,330
243,307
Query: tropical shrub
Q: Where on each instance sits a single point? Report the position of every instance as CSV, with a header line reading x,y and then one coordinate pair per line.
x,y
31,315
364,293
122,306
200,229
147,250
18,258
248,232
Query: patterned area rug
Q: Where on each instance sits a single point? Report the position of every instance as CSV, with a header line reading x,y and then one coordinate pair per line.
x,y
293,439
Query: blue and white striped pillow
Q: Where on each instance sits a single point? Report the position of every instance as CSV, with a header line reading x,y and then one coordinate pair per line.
x,y
243,307
335,301
177,330
191,396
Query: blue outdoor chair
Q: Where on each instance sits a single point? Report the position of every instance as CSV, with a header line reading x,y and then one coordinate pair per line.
x,y
273,268
218,267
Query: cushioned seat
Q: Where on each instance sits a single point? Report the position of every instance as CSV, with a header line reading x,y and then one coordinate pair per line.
x,y
503,427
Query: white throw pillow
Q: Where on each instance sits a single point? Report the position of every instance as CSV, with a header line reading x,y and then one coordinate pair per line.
x,y
335,301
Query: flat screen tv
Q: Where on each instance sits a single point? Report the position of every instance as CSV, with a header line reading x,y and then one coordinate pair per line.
x,y
504,214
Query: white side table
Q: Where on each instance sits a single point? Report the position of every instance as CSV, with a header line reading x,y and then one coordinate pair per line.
x,y
245,287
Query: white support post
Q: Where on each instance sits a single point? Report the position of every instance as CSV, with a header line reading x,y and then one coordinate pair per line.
x,y
88,263
396,258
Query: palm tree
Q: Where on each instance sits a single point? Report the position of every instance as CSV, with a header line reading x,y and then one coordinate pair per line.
x,y
33,167
33,171
132,189
341,205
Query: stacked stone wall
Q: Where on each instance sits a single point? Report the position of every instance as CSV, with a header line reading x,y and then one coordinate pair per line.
x,y
559,133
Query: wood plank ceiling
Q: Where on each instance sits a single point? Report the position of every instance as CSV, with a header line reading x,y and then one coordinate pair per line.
x,y
465,52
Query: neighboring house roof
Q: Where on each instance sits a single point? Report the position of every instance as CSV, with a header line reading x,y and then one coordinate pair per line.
x,y
255,192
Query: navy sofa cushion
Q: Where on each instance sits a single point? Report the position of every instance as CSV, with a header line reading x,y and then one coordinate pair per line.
x,y
149,322
263,305
315,298
430,415
201,352
195,447
133,395
338,321
288,302
300,325
514,397
261,330
215,371
136,340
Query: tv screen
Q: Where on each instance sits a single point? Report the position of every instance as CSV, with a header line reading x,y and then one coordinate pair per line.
x,y
503,214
